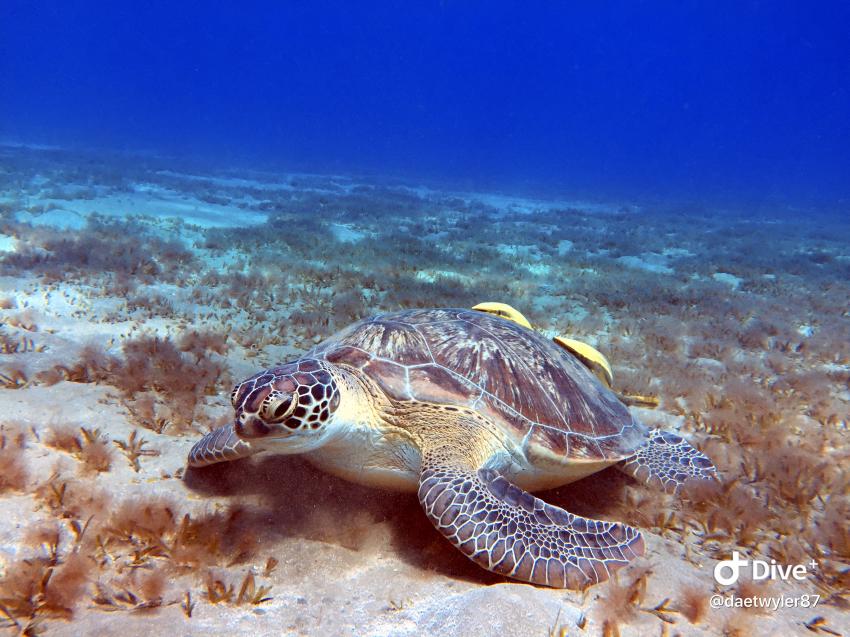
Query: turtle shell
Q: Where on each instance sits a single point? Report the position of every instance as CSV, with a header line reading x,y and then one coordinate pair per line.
x,y
543,396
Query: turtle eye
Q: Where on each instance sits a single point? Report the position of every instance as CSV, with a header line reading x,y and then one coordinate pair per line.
x,y
233,395
278,409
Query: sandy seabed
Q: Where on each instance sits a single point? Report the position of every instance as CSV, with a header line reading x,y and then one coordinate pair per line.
x,y
134,292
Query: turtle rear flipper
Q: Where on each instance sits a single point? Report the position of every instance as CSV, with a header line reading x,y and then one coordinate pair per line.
x,y
219,445
509,531
668,461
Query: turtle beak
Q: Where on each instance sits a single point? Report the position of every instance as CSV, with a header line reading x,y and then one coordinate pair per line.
x,y
250,427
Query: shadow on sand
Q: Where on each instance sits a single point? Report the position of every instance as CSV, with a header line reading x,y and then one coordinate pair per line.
x,y
281,497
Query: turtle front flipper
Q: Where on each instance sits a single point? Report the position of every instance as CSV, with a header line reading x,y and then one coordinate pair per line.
x,y
219,445
668,461
509,531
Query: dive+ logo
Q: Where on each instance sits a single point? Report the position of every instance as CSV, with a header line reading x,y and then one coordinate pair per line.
x,y
727,572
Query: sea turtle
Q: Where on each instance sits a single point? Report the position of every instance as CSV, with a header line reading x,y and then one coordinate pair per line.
x,y
471,411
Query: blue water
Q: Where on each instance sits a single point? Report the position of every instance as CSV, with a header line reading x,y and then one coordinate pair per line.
x,y
736,102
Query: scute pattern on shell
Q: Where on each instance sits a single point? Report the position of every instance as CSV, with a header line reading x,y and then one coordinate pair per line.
x,y
515,376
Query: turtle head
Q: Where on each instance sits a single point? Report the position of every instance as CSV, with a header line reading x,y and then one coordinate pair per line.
x,y
289,408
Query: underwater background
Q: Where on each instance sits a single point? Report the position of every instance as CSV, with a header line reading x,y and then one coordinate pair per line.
x,y
193,192
733,102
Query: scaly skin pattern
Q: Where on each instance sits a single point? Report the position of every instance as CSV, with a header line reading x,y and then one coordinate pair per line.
x,y
219,446
498,525
668,461
296,396
509,531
